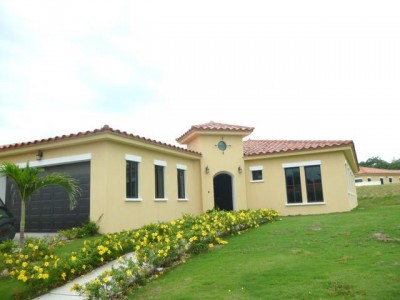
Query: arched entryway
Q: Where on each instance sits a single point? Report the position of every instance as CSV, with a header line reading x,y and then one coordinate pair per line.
x,y
223,198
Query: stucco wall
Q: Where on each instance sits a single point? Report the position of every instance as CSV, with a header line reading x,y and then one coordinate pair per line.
x,y
109,188
271,192
108,203
218,162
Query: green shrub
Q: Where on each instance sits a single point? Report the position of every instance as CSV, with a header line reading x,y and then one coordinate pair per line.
x,y
8,246
89,228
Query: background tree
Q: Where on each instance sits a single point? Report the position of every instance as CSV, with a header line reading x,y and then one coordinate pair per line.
x,y
395,164
29,180
377,162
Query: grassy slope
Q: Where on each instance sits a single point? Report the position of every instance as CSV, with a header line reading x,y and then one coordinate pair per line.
x,y
335,256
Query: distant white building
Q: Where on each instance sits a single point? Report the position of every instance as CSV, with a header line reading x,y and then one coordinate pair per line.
x,y
375,176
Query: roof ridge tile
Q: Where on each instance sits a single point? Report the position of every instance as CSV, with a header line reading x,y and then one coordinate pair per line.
x,y
93,132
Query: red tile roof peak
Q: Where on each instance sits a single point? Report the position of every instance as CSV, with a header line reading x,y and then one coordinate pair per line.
x,y
215,127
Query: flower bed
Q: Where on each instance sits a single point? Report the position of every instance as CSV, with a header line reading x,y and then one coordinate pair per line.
x,y
156,246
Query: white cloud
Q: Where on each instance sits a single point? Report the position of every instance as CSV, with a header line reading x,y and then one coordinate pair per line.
x,y
292,69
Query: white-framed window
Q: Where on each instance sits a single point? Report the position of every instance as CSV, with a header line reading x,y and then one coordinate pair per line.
x,y
159,176
351,187
358,180
303,175
132,176
181,180
256,173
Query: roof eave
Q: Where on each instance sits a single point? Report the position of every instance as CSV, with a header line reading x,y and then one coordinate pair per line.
x,y
193,133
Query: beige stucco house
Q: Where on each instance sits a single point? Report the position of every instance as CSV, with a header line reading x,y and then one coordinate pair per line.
x,y
128,180
375,176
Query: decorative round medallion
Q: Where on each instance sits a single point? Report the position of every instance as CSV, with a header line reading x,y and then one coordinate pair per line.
x,y
222,145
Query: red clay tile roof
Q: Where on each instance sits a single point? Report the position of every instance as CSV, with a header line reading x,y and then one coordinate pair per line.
x,y
104,129
366,170
262,147
214,126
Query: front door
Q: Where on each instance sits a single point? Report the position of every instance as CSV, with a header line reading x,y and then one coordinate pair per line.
x,y
223,192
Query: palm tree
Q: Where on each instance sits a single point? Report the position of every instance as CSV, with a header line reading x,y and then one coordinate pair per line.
x,y
29,180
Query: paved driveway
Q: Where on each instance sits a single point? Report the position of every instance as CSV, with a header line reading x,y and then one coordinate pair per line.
x,y
36,235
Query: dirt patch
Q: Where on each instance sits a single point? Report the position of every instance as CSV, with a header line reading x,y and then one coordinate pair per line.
x,y
382,237
314,228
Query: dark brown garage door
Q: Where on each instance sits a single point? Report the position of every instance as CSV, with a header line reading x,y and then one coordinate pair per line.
x,y
48,210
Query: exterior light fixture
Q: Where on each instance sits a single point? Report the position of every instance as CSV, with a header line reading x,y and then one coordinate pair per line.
x,y
207,170
39,155
240,170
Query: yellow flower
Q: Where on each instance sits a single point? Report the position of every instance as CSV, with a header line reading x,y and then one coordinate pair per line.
x,y
24,264
211,245
73,258
46,264
45,276
105,279
73,271
84,267
63,275
129,273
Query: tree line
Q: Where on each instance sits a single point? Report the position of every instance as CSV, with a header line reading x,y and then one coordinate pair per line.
x,y
377,162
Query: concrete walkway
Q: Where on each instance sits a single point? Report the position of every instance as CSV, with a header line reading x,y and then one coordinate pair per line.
x,y
64,292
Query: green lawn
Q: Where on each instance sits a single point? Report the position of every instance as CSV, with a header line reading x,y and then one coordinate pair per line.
x,y
353,255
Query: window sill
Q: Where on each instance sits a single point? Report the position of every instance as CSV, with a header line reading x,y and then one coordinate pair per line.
x,y
255,181
133,199
161,200
305,204
183,200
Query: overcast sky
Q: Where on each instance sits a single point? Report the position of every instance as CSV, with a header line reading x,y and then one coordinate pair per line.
x,y
293,69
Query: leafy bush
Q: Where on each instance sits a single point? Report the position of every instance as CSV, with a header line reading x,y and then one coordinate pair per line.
x,y
89,228
8,246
